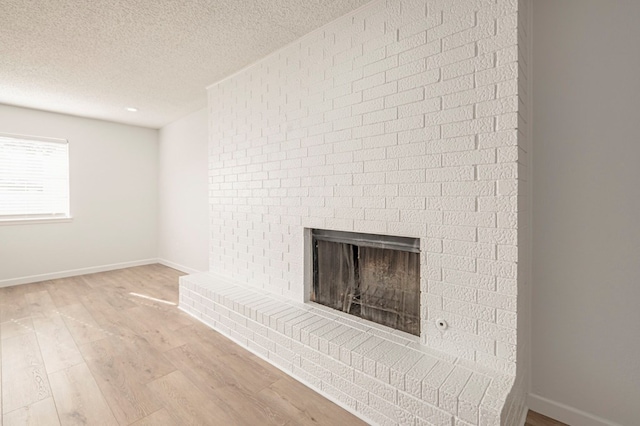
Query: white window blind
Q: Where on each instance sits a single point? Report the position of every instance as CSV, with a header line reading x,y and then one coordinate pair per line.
x,y
34,178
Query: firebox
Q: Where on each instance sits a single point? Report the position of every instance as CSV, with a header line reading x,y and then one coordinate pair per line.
x,y
374,277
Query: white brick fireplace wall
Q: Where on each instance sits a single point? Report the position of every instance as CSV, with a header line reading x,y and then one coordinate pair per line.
x,y
408,118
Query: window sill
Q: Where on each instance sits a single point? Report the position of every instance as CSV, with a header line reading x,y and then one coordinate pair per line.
x,y
27,221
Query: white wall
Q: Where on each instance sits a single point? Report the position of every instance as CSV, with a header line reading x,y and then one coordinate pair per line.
x,y
113,171
586,289
183,235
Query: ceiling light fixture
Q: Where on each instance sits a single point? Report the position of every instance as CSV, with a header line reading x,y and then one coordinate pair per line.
x,y
131,109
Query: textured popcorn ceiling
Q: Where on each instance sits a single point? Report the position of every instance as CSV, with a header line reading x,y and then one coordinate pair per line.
x,y
93,58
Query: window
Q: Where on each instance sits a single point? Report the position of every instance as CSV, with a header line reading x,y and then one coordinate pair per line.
x,y
34,178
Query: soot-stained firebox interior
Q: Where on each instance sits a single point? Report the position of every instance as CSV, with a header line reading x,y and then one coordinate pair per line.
x,y
375,277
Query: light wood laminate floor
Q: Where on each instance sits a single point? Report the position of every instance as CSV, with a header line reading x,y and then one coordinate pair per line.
x,y
95,350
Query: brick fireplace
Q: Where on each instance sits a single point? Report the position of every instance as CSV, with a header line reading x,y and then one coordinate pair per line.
x,y
404,118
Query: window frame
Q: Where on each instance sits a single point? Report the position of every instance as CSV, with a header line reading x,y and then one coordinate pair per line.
x,y
41,218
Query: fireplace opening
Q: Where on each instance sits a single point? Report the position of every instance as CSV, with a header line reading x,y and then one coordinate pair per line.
x,y
374,277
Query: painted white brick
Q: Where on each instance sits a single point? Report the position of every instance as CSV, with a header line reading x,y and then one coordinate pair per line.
x,y
498,204
381,66
468,97
485,156
380,116
360,85
508,253
450,174
496,172
507,55
430,385
404,118
484,29
407,43
464,233
424,162
501,41
507,121
498,139
414,376
471,396
417,108
451,203
407,70
498,236
424,217
470,249
421,51
498,332
496,75
508,154
426,78
455,85
454,24
464,143
497,107
451,388
480,219
472,279
419,26
468,66
471,310
466,294
425,412
464,113
380,91
471,127
461,263
507,88
454,55
497,300
405,97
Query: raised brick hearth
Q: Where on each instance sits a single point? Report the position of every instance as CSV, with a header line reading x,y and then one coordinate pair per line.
x,y
383,375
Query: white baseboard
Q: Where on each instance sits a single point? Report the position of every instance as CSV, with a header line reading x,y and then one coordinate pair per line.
x,y
179,267
564,413
74,272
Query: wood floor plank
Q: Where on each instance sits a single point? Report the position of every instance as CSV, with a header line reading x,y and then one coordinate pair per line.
x,y
536,419
40,303
24,378
58,349
202,338
127,395
16,327
158,334
41,413
81,324
66,291
148,363
13,304
250,408
159,418
78,398
158,312
204,372
108,316
188,403
292,397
